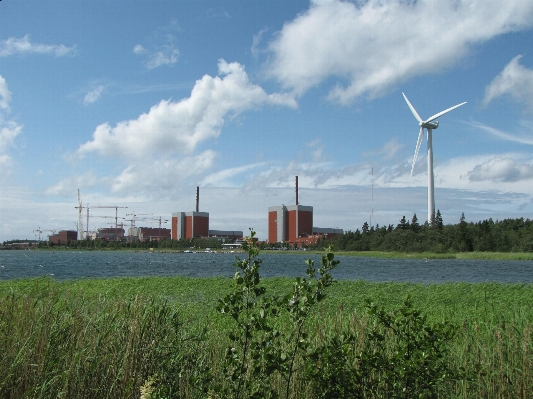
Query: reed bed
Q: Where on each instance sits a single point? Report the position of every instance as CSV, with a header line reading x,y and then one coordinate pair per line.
x,y
107,338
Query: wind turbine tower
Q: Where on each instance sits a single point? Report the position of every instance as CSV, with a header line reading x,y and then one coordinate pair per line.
x,y
429,125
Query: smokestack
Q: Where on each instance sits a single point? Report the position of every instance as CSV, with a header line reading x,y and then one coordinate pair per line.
x,y
296,190
197,199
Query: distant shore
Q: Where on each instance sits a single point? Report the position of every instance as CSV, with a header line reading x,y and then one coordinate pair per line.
x,y
422,255
371,254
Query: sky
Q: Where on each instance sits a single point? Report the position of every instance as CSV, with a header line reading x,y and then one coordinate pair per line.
x,y
136,103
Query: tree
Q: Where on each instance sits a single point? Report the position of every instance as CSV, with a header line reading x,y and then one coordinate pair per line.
x,y
463,240
414,224
438,221
404,224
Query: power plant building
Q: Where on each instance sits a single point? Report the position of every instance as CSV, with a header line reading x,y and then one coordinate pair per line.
x,y
190,225
294,224
289,223
110,233
63,237
148,233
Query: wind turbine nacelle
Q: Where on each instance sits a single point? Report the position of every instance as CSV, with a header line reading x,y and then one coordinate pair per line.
x,y
431,125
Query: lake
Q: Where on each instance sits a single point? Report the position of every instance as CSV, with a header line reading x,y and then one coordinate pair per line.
x,y
65,265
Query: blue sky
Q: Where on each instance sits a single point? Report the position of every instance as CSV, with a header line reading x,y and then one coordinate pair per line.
x,y
136,103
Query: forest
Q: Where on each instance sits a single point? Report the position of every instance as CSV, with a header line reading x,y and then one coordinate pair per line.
x,y
507,235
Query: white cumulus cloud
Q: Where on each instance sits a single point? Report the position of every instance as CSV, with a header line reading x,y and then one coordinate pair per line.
x,y
163,176
515,80
159,148
178,127
372,46
9,129
502,169
23,45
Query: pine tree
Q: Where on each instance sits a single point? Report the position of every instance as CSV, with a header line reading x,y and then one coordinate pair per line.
x,y
414,224
404,224
438,221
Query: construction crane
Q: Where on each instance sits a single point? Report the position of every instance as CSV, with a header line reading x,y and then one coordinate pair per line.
x,y
38,231
52,231
154,220
107,206
134,215
107,217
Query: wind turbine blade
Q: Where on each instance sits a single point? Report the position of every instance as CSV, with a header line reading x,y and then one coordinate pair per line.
x,y
413,110
420,135
444,112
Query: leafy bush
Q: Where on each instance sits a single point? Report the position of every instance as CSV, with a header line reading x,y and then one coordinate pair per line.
x,y
402,356
258,348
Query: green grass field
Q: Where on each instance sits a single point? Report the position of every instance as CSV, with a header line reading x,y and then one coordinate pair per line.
x,y
106,337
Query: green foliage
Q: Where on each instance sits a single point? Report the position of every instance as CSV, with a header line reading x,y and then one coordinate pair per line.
x,y
403,356
508,235
258,348
415,363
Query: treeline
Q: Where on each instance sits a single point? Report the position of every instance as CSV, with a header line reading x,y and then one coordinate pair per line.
x,y
182,244
508,235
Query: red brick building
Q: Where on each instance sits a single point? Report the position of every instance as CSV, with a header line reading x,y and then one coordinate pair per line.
x,y
289,223
190,225
63,237
149,233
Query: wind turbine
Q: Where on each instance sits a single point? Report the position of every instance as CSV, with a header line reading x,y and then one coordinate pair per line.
x,y
429,125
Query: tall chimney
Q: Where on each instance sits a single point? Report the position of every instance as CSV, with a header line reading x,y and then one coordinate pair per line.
x,y
296,190
197,199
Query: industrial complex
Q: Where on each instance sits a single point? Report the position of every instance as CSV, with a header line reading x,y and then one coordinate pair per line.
x,y
294,224
291,224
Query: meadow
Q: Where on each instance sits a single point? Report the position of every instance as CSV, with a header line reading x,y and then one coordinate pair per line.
x,y
116,338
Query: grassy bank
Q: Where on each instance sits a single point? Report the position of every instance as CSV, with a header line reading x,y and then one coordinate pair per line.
x,y
107,337
433,255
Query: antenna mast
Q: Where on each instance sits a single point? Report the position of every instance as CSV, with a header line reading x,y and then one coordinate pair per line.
x,y
80,216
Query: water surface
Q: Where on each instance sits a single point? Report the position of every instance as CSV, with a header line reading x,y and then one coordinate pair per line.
x,y
64,265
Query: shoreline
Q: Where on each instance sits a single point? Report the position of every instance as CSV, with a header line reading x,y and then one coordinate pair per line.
x,y
367,254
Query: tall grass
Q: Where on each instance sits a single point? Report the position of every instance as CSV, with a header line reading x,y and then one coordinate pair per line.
x,y
58,344
106,338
